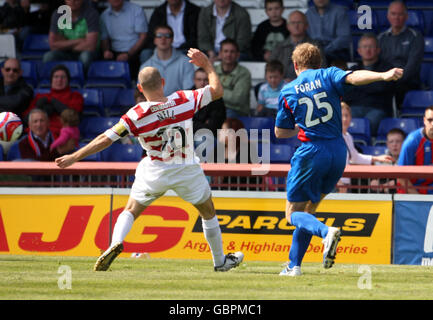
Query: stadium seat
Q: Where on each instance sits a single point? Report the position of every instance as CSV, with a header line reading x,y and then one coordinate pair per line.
x,y
30,72
14,152
406,124
428,49
259,123
90,127
1,152
93,157
123,101
374,150
419,4
257,70
426,75
93,102
415,20
75,70
415,102
119,152
108,74
360,130
281,153
35,45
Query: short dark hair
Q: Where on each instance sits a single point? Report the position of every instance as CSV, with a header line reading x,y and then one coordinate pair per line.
x,y
230,41
396,131
272,1
274,66
369,35
63,68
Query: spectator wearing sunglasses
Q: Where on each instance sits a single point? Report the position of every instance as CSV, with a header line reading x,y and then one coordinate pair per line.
x,y
15,93
172,64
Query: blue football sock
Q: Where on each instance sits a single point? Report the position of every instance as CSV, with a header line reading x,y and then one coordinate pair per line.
x,y
301,241
308,223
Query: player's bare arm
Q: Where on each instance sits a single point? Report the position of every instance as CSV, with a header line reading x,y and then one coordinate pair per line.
x,y
98,144
282,133
363,77
199,59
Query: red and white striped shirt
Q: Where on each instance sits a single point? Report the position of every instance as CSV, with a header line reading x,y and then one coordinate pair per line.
x,y
164,129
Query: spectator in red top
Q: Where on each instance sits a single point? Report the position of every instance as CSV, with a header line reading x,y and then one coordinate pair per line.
x,y
58,99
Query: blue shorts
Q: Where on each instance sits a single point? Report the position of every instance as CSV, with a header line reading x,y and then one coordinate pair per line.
x,y
316,168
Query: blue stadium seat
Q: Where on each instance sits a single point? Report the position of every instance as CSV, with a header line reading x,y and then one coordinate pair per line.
x,y
93,102
1,152
415,20
415,102
419,4
428,48
281,153
426,75
34,46
75,70
360,130
14,152
406,124
108,74
259,123
90,127
119,152
374,150
30,72
123,101
93,157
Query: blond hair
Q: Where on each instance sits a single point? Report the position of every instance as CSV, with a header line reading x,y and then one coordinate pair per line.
x,y
307,55
149,79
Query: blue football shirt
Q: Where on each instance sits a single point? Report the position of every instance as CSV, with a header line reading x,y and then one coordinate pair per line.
x,y
312,101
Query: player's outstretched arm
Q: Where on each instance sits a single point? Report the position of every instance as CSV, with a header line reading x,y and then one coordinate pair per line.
x,y
98,144
202,61
363,77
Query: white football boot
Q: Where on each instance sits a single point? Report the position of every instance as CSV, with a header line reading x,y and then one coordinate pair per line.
x,y
232,260
330,242
291,272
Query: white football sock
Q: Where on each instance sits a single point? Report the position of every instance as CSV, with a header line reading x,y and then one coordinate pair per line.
x,y
122,227
212,233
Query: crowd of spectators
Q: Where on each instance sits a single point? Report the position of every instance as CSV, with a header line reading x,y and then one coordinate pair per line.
x,y
118,30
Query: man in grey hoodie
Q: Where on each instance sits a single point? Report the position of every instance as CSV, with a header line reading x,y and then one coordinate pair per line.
x,y
173,65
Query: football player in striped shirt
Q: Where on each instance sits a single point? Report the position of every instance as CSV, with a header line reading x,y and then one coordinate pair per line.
x,y
163,126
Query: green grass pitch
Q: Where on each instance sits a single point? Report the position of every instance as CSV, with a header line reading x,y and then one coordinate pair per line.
x,y
46,278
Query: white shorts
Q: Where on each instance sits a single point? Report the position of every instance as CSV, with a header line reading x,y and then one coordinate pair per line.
x,y
188,181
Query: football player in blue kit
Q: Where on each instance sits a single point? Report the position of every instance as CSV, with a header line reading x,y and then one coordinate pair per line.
x,y
309,106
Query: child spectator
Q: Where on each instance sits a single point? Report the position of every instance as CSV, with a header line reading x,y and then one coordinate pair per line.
x,y
269,91
269,32
70,120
